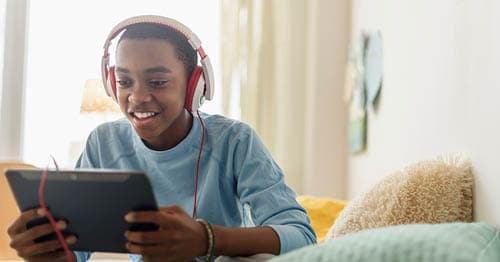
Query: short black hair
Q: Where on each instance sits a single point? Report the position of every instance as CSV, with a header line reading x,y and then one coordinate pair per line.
x,y
184,51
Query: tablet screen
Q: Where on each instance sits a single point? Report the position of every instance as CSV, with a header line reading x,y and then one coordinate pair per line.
x,y
93,202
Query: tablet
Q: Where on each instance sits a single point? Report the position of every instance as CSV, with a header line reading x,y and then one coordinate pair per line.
x,y
93,202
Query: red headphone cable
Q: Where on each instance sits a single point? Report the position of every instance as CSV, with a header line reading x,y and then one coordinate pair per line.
x,y
198,162
41,199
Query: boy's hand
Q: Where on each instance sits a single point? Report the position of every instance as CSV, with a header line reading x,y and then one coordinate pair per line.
x,y
179,237
23,239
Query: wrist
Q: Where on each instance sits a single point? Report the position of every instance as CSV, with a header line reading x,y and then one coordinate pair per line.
x,y
203,241
209,246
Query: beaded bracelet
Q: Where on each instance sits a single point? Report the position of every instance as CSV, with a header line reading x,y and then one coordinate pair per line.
x,y
211,239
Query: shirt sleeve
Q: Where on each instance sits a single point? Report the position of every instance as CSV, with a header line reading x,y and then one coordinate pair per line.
x,y
87,158
261,186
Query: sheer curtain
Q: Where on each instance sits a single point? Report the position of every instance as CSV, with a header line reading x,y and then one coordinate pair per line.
x,y
283,65
261,60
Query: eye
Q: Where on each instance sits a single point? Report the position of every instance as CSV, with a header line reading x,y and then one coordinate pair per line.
x,y
158,83
123,83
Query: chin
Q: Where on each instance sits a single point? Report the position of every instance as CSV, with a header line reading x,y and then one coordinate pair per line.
x,y
145,134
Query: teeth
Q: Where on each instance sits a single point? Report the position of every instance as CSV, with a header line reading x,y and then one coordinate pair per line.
x,y
142,115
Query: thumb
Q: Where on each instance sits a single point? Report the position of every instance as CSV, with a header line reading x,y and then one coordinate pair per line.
x,y
173,210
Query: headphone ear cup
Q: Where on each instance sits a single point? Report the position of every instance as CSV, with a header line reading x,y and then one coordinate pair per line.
x,y
111,82
195,90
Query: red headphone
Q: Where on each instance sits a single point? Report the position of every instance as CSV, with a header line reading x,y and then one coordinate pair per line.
x,y
201,82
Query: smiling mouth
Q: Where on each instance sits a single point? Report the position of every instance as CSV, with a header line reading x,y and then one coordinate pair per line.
x,y
143,115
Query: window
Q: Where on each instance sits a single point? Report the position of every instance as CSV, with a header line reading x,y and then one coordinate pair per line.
x,y
2,42
13,28
65,45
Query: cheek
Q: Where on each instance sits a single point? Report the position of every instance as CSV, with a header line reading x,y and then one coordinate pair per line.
x,y
174,95
121,97
183,91
122,100
172,103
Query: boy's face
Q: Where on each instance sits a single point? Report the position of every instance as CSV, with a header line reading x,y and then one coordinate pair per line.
x,y
151,87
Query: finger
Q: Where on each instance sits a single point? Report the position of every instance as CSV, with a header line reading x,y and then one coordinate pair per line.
x,y
19,224
172,209
34,233
140,216
43,247
148,237
147,250
147,217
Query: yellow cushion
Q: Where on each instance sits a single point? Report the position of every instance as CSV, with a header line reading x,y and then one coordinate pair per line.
x,y
322,211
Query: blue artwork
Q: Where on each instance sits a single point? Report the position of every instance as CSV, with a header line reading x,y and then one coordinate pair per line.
x,y
373,67
356,96
364,75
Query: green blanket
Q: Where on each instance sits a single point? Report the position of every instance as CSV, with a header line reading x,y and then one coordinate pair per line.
x,y
466,242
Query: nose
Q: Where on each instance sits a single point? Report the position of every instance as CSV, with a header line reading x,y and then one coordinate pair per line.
x,y
139,94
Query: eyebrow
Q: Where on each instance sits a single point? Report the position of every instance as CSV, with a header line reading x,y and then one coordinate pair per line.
x,y
121,69
158,69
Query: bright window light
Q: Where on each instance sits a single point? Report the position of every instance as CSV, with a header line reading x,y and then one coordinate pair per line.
x,y
2,41
64,50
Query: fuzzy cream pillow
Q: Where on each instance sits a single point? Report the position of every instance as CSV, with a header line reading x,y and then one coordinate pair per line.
x,y
433,191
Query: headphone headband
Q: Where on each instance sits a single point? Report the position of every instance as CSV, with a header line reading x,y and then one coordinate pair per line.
x,y
193,40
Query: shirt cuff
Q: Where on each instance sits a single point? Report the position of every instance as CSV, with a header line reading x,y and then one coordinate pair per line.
x,y
292,237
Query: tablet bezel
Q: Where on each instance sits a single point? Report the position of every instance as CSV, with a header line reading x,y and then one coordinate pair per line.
x,y
92,201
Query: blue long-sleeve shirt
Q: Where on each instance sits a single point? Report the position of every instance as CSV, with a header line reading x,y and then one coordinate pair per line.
x,y
239,182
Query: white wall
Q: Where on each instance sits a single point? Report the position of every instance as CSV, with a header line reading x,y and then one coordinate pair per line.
x,y
441,91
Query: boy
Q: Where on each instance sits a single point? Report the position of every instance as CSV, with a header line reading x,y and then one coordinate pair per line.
x,y
241,204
